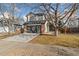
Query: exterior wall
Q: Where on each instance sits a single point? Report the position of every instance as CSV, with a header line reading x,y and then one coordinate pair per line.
x,y
46,27
25,28
42,28
29,17
43,17
36,18
26,19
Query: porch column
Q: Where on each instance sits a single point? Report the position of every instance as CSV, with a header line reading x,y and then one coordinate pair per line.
x,y
46,27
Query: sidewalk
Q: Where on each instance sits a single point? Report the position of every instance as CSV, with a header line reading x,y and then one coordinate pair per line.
x,y
25,37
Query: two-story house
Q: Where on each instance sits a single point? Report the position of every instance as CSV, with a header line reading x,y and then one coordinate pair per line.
x,y
36,23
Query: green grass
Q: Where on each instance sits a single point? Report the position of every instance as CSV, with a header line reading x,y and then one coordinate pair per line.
x,y
67,40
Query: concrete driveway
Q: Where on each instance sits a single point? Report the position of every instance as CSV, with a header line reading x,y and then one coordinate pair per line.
x,y
18,46
12,48
25,37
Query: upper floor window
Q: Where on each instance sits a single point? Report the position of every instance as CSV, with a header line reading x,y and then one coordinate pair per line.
x,y
40,18
32,18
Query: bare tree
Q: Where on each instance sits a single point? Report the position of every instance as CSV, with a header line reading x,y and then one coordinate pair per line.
x,y
3,17
8,16
58,13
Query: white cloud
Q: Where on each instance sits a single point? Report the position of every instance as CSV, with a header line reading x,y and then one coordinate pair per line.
x,y
17,9
1,16
6,14
24,17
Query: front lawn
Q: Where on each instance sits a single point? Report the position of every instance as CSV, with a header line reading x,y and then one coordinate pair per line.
x,y
67,40
5,35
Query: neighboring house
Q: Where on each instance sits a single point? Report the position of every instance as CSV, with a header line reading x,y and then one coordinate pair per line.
x,y
14,28
5,28
36,23
2,29
17,26
74,25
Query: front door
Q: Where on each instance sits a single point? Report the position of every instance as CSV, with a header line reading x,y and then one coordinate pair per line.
x,y
35,29
38,28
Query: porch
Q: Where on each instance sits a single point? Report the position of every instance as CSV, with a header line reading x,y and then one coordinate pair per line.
x,y
34,28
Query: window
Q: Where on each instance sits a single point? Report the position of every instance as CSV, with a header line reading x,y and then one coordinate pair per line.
x,y
31,18
40,17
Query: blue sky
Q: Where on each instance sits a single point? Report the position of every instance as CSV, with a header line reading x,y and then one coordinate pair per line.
x,y
24,11
25,8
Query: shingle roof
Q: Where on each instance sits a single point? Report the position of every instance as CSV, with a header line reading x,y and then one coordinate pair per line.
x,y
35,22
38,14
